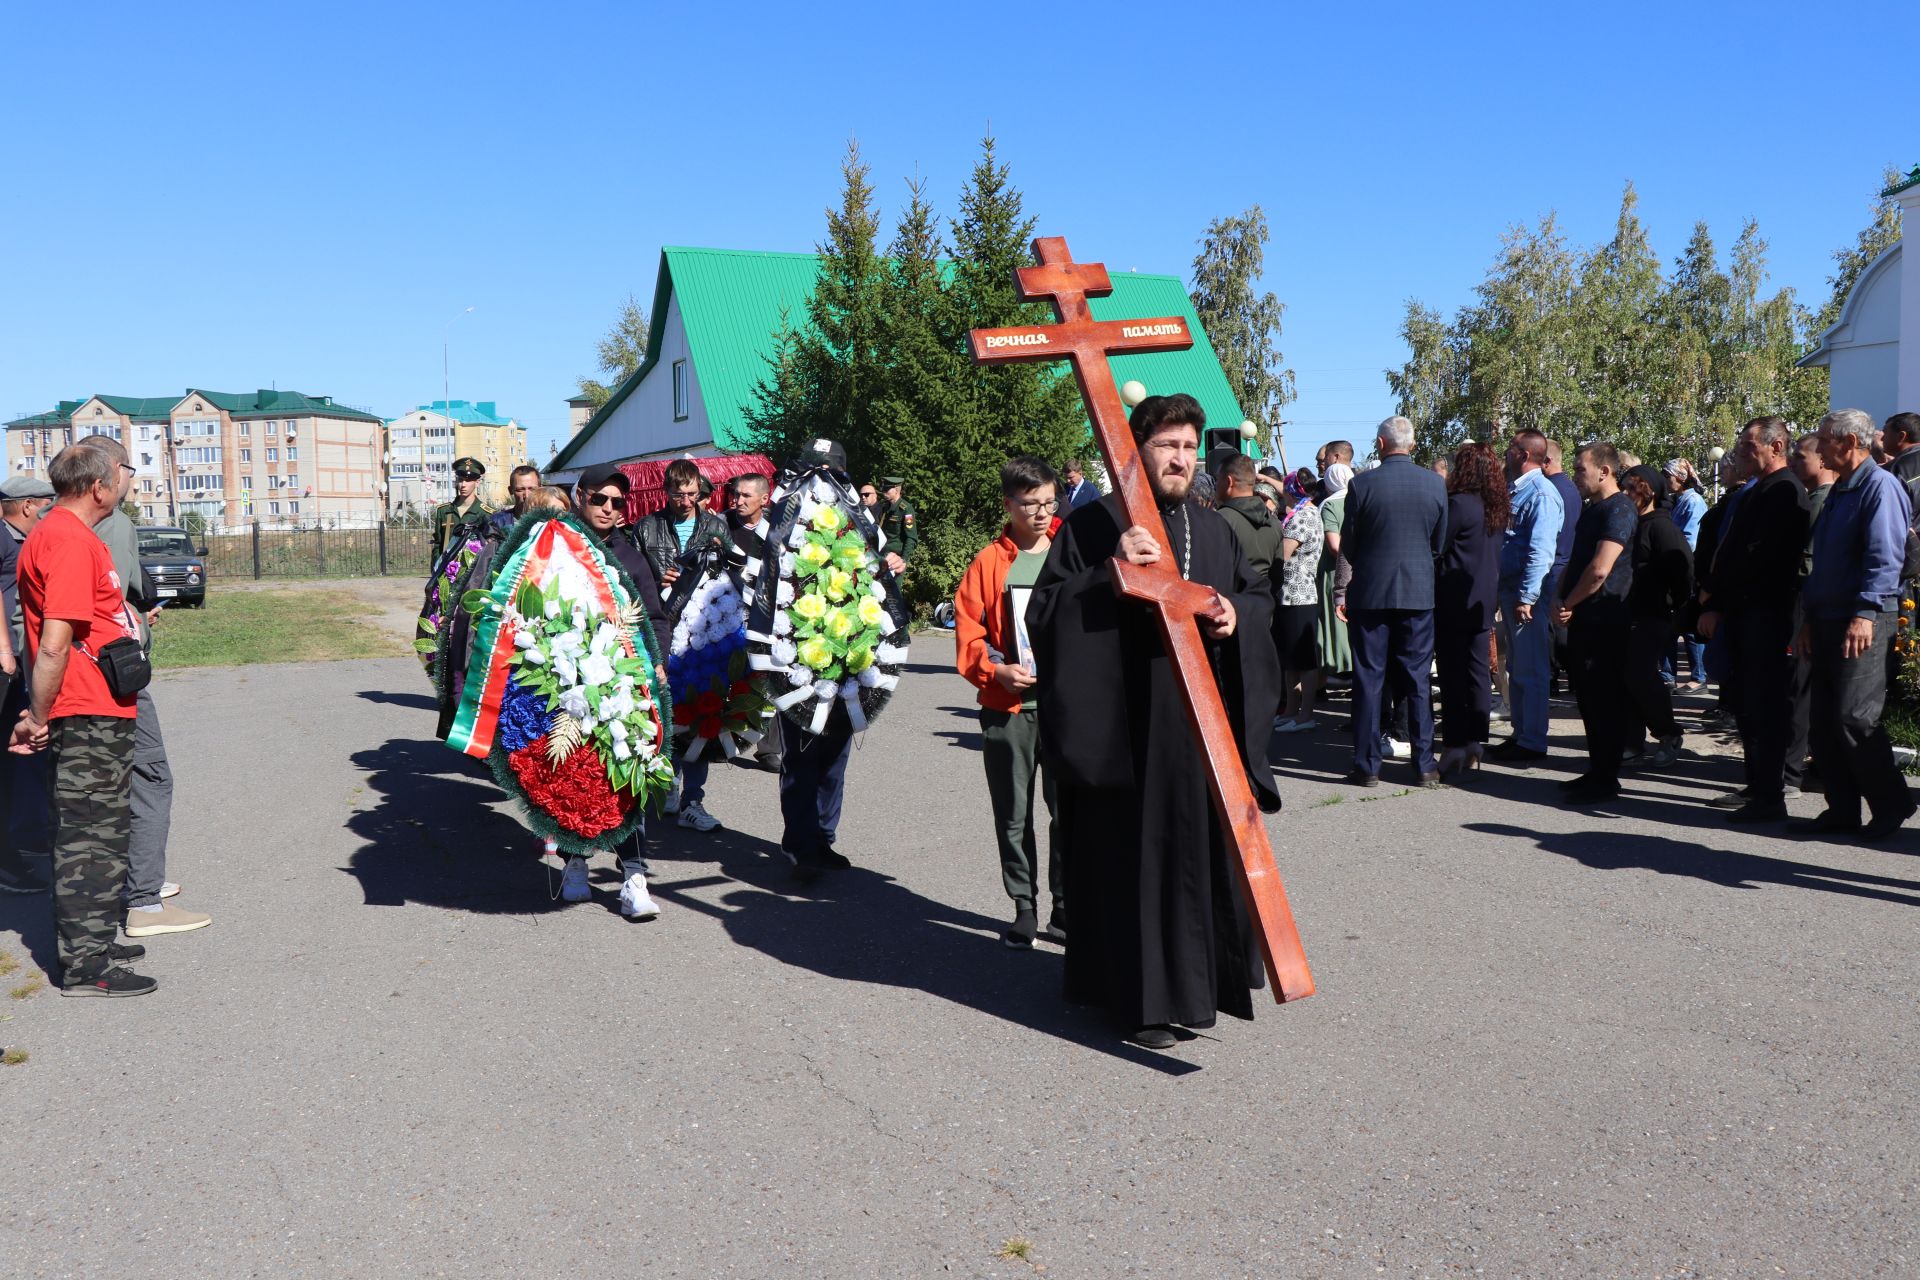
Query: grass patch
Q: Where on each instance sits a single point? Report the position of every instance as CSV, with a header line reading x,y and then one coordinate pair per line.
x,y
32,986
7,964
1018,1247
1324,801
239,627
13,1057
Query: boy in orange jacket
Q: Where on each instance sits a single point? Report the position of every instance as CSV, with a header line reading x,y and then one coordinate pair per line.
x,y
992,651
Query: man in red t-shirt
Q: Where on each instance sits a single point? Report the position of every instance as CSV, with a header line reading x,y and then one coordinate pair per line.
x,y
73,606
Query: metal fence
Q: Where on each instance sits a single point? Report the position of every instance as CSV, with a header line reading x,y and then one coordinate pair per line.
x,y
265,552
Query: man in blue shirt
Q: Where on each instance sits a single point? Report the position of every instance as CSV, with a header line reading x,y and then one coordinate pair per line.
x,y
1852,598
1592,605
1570,503
1526,559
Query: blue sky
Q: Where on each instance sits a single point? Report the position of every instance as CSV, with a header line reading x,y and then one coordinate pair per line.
x,y
233,196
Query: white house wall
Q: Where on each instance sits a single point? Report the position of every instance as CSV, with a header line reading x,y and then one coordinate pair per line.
x,y
643,425
1863,359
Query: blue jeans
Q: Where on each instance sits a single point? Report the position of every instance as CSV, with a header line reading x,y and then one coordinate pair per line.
x,y
813,778
1696,661
693,781
1529,647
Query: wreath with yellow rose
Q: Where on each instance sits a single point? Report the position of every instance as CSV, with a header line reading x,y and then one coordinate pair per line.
x,y
826,628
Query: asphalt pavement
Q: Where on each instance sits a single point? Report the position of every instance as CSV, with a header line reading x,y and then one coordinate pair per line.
x,y
1620,1042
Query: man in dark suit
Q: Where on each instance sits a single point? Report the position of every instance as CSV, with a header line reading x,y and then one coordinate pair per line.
x,y
1394,530
1079,490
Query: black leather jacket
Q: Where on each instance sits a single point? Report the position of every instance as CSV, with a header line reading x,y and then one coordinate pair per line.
x,y
654,535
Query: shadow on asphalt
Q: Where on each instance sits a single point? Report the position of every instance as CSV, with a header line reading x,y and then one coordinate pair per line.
x,y
31,916
417,701
435,837
861,926
1609,851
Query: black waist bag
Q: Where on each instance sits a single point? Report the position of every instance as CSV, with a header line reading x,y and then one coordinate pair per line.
x,y
124,664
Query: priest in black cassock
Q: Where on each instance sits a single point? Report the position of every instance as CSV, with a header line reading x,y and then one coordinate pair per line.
x,y
1160,935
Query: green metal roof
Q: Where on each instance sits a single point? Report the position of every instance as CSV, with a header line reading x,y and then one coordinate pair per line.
x,y
732,300
151,407
58,416
481,414
274,404
1912,179
256,404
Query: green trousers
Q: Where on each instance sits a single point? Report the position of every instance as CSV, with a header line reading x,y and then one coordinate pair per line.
x,y
1010,747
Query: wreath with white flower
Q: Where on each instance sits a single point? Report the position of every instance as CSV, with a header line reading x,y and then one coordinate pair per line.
x,y
713,700
561,693
829,630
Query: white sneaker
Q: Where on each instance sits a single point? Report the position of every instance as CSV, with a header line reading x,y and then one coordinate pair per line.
x,y
1394,749
634,902
573,881
695,816
169,889
672,804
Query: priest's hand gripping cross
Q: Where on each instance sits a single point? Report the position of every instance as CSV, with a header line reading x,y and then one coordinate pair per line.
x,y
1087,343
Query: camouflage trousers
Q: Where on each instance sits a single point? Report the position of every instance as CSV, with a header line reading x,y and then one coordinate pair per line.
x,y
92,826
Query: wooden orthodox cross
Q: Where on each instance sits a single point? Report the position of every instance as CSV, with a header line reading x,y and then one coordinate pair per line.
x,y
1087,343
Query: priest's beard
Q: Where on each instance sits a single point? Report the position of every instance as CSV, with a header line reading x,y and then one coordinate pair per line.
x,y
1170,490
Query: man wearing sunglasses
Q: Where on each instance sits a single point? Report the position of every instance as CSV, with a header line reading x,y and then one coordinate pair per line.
x,y
600,500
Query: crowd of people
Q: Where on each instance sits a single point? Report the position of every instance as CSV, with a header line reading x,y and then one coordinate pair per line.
x,y
1500,578
86,781
1505,581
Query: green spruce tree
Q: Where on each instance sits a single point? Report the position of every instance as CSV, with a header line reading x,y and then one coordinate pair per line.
x,y
1243,325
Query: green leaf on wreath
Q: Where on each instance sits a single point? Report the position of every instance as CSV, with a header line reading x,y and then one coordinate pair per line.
x,y
532,603
424,646
475,601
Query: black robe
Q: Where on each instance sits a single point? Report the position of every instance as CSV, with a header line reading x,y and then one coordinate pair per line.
x,y
1159,931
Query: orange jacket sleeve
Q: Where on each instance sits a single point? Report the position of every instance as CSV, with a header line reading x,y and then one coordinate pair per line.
x,y
976,627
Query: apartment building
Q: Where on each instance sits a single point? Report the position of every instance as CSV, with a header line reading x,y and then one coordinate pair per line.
x,y
229,457
423,443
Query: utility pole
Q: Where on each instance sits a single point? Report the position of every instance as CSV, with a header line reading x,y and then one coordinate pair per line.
x,y
446,388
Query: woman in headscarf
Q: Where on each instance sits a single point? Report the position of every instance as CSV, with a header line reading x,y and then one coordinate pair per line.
x,y
1296,595
1336,658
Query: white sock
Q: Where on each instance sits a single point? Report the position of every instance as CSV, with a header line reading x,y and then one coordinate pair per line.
x,y
150,907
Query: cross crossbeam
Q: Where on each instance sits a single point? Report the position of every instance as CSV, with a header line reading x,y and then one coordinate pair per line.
x,y
1086,343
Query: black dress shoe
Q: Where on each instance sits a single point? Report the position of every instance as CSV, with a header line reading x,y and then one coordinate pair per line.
x,y
1153,1038
1431,781
1361,779
1756,812
1574,783
1512,752
1592,791
1828,823
1880,826
832,859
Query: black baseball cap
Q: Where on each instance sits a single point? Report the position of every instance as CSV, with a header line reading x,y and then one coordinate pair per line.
x,y
595,478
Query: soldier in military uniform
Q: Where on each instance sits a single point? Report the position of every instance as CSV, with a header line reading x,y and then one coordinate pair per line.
x,y
465,509
897,519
